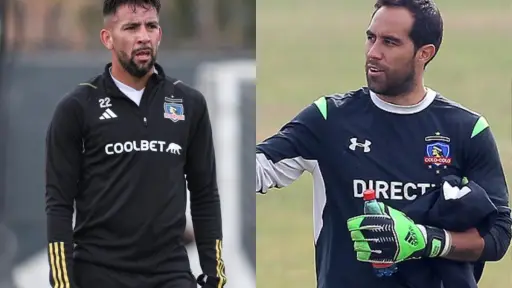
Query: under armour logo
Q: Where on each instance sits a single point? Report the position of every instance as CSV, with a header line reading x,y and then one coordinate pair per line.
x,y
354,144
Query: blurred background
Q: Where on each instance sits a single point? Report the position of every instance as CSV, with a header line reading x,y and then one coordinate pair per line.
x,y
49,46
307,49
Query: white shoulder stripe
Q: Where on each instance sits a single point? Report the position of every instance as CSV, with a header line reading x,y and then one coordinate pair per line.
x,y
285,172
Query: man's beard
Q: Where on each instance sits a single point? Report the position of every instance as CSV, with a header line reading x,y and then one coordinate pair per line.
x,y
128,63
394,85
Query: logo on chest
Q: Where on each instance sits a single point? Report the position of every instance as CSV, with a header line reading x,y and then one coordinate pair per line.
x,y
174,109
365,146
108,113
437,152
142,146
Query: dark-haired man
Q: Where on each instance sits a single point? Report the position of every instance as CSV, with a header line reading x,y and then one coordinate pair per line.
x,y
400,138
123,147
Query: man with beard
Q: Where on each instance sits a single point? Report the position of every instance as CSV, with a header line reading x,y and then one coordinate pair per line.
x,y
123,148
399,138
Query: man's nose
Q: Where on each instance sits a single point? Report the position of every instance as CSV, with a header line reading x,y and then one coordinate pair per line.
x,y
374,52
143,36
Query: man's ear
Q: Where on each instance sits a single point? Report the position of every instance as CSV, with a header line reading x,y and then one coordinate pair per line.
x,y
106,39
159,36
426,53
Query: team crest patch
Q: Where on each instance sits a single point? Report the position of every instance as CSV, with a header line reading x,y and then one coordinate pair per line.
x,y
174,111
437,152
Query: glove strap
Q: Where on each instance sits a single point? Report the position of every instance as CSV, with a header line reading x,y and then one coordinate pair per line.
x,y
438,241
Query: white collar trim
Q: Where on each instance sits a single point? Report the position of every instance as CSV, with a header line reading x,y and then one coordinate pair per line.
x,y
399,109
123,86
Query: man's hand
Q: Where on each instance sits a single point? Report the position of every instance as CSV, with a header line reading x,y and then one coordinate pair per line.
x,y
394,237
210,281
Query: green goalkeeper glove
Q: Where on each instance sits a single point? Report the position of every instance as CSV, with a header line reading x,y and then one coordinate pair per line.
x,y
394,237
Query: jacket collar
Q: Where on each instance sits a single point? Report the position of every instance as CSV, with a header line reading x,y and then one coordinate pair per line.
x,y
112,89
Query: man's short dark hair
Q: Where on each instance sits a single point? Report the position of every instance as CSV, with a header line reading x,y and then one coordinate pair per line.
x,y
428,23
110,6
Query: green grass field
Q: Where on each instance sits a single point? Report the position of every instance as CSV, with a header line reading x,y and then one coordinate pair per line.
x,y
307,48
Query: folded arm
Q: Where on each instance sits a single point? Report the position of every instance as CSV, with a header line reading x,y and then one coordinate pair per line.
x,y
413,241
484,168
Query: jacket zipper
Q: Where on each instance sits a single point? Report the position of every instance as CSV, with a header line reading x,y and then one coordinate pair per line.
x,y
140,111
146,106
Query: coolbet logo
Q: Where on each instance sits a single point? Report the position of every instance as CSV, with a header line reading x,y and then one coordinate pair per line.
x,y
142,146
391,190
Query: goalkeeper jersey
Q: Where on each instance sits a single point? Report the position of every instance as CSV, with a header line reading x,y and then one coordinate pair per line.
x,y
355,141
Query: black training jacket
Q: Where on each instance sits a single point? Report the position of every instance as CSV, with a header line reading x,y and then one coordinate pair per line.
x,y
126,168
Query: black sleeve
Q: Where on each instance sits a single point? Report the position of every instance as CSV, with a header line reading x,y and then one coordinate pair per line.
x,y
497,241
282,158
63,157
200,170
484,168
